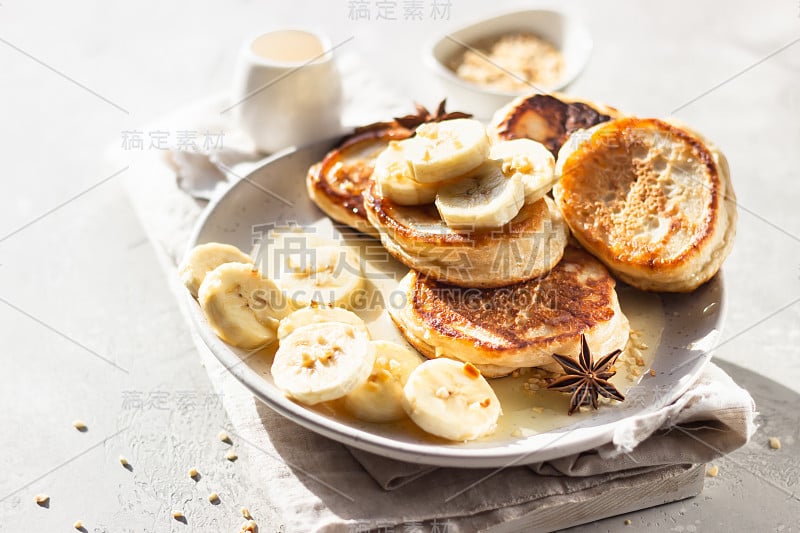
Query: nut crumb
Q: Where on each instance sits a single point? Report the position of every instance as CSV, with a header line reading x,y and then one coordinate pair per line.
x,y
213,497
123,461
246,513
193,473
532,59
249,527
230,456
223,436
177,515
80,425
775,443
78,524
652,372
628,522
712,471
41,499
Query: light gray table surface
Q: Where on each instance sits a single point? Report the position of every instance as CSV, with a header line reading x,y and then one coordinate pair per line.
x,y
89,329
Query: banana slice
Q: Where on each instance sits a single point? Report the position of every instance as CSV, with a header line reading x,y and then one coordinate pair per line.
x,y
329,275
483,199
530,160
380,399
444,150
242,307
204,258
451,400
317,315
395,178
323,362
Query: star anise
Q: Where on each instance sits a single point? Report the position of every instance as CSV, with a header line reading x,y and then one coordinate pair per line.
x,y
422,116
587,379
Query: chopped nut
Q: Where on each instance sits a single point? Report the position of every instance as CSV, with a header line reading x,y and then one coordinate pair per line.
x,y
712,471
78,524
775,443
442,393
213,497
123,461
223,436
652,372
249,527
193,473
532,59
628,522
41,499
246,513
80,425
177,515
471,371
230,456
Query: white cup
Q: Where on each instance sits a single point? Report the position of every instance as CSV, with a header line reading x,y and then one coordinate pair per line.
x,y
287,90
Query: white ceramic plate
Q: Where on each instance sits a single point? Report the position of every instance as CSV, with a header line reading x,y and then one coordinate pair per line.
x,y
275,193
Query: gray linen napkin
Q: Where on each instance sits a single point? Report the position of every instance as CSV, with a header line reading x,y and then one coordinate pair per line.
x,y
325,486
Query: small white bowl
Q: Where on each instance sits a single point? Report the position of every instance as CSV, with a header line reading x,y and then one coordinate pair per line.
x,y
568,34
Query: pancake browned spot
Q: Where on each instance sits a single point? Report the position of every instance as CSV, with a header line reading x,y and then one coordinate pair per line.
x,y
651,199
337,183
519,325
548,119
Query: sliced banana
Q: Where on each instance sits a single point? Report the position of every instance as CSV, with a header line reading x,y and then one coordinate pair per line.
x,y
529,159
380,399
204,258
483,199
451,399
242,307
328,274
316,315
323,362
444,150
395,178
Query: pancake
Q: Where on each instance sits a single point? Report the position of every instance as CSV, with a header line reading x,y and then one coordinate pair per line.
x,y
517,326
548,118
652,200
337,183
527,247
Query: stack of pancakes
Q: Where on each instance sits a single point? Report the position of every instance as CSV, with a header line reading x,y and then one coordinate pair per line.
x,y
647,201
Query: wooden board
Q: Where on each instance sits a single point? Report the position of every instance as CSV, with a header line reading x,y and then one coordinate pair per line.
x,y
662,486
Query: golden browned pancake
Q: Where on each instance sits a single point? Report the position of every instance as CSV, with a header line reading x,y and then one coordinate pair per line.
x,y
337,183
548,118
651,200
527,247
517,326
